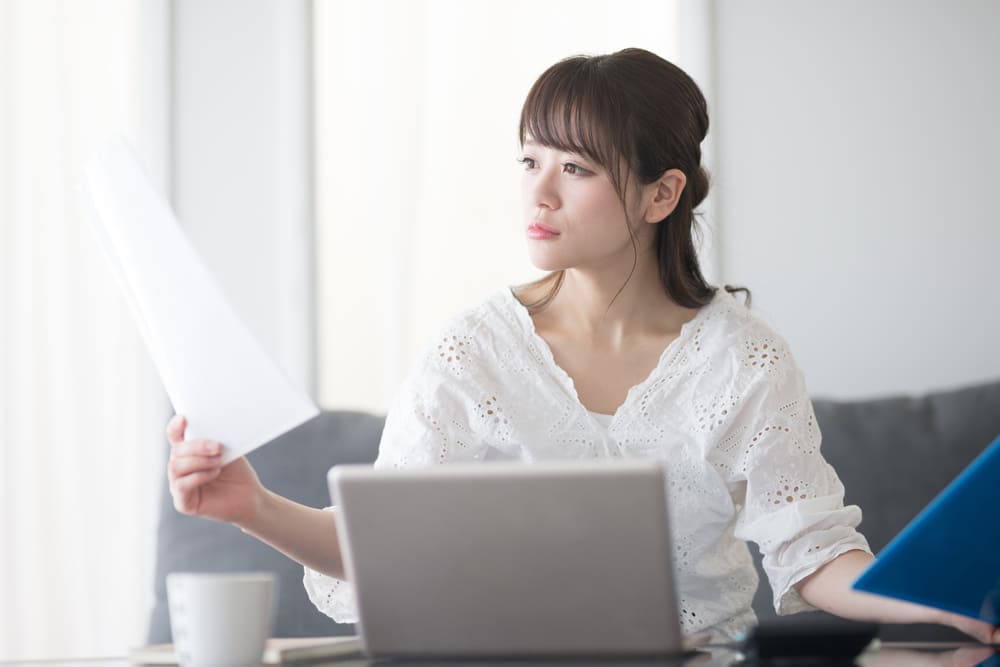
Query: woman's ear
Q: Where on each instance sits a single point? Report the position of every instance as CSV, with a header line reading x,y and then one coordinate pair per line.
x,y
663,195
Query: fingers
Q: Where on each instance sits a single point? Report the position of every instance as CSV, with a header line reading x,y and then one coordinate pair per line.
x,y
175,429
199,447
181,466
192,456
180,447
188,471
192,465
982,631
186,489
189,456
195,480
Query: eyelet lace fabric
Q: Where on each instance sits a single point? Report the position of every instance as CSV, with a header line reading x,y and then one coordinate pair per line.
x,y
725,409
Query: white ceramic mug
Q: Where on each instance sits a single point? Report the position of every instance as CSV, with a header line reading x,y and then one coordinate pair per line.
x,y
220,619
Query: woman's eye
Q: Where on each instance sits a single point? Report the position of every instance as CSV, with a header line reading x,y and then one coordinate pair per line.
x,y
528,162
573,169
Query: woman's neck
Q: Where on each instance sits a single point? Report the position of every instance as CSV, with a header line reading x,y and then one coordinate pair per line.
x,y
594,304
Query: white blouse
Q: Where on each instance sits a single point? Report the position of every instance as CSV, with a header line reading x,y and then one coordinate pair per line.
x,y
725,408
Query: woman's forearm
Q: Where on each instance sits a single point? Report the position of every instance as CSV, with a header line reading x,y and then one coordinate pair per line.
x,y
305,534
829,589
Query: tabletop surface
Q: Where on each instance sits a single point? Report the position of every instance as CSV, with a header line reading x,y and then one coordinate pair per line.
x,y
887,654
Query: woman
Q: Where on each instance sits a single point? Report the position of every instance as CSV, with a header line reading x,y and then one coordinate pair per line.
x,y
623,350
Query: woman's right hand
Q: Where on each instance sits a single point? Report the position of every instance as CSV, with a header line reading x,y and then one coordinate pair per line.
x,y
201,486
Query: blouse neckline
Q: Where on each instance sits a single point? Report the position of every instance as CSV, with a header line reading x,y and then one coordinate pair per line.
x,y
667,356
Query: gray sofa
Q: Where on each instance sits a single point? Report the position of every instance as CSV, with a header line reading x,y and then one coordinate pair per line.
x,y
893,454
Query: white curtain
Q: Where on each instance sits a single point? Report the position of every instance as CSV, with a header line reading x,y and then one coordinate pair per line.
x,y
81,412
418,214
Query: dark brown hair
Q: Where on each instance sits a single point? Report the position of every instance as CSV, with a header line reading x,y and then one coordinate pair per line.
x,y
633,113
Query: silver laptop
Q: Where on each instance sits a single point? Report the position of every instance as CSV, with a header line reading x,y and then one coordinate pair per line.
x,y
509,559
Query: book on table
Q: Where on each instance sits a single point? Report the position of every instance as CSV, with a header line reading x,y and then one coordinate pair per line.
x,y
278,651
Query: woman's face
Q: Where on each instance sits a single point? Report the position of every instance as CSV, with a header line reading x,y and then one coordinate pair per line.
x,y
573,216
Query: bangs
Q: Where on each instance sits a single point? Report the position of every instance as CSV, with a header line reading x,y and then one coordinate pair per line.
x,y
569,109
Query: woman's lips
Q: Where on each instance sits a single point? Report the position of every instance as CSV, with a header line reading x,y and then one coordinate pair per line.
x,y
540,232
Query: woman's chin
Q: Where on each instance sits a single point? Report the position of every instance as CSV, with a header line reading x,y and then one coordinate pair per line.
x,y
546,261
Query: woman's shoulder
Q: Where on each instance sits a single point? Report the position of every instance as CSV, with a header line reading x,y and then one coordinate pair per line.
x,y
482,318
469,337
731,329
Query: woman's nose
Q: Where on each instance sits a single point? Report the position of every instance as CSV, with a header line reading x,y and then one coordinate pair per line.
x,y
543,190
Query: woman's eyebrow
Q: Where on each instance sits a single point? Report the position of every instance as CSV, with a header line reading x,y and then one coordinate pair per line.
x,y
576,155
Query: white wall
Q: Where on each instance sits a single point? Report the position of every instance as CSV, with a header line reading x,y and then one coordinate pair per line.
x,y
857,146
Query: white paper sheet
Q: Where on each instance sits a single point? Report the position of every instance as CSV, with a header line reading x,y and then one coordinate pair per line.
x,y
214,371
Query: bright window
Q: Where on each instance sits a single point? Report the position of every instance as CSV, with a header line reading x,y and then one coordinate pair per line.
x,y
80,408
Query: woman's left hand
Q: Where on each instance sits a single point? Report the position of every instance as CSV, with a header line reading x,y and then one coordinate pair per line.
x,y
980,630
962,657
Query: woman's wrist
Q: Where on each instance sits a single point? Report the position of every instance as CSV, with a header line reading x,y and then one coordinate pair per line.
x,y
262,507
304,534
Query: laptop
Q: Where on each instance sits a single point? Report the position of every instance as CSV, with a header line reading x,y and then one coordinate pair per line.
x,y
509,559
947,556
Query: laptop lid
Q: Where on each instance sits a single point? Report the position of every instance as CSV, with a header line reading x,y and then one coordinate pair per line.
x,y
947,556
508,559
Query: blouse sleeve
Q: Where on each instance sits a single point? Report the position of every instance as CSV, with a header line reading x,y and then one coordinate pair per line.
x,y
432,422
794,501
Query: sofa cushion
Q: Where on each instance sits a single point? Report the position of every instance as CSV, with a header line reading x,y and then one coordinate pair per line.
x,y
294,465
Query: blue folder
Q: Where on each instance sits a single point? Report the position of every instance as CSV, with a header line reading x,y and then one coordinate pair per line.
x,y
948,557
